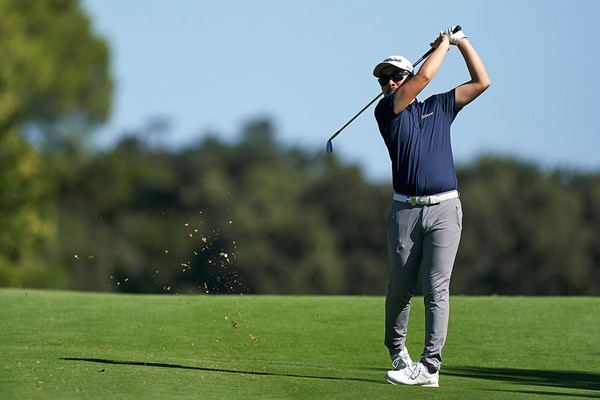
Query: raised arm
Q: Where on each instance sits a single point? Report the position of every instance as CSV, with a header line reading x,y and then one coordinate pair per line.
x,y
480,81
409,91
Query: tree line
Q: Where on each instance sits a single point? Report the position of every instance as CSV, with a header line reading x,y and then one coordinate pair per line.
x,y
251,216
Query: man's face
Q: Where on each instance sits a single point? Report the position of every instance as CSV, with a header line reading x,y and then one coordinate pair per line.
x,y
391,78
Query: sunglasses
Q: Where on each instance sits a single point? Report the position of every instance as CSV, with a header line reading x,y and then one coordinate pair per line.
x,y
396,76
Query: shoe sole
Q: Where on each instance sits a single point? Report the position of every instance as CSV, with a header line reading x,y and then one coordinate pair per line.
x,y
393,382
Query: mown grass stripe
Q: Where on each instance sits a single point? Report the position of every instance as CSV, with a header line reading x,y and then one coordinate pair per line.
x,y
73,345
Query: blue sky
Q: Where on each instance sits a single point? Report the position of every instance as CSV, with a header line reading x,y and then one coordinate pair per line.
x,y
212,66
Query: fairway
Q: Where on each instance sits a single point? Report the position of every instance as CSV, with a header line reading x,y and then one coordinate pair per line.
x,y
74,345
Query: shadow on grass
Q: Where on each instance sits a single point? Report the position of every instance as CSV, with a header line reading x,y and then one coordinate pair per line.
x,y
557,379
231,371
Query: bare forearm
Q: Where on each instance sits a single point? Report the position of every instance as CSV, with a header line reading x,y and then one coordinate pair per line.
x,y
432,65
480,80
474,63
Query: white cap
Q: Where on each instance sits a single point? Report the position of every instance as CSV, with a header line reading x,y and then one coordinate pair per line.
x,y
395,61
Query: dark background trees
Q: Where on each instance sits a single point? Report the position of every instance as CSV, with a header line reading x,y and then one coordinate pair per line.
x,y
241,216
252,216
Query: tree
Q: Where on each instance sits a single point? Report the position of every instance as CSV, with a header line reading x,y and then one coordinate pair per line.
x,y
25,212
525,231
255,217
54,76
258,192
55,88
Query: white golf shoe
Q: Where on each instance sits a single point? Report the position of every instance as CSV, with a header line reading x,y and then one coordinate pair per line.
x,y
415,374
401,360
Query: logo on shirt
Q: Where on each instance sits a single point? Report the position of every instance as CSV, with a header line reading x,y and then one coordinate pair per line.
x,y
426,115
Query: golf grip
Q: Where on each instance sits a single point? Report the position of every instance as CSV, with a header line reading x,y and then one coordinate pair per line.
x,y
456,29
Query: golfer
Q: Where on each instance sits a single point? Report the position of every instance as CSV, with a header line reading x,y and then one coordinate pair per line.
x,y
425,219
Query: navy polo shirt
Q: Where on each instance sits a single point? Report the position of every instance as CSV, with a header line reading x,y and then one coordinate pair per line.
x,y
418,142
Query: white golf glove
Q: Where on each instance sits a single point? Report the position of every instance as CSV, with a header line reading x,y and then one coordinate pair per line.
x,y
454,37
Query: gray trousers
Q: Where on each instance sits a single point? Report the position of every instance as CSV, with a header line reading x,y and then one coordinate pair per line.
x,y
422,243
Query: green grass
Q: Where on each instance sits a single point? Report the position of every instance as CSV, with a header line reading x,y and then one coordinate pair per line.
x,y
72,345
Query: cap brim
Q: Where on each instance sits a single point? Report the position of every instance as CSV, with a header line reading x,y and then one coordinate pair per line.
x,y
380,67
383,65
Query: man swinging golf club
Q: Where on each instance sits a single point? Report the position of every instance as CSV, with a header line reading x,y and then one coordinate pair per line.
x,y
425,219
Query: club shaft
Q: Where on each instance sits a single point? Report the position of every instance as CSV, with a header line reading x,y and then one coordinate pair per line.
x,y
356,116
424,56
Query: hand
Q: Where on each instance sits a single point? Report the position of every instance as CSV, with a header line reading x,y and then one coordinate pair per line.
x,y
454,37
439,40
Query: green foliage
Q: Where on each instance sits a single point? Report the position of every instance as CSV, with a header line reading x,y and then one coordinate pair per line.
x,y
214,218
254,217
54,76
26,213
54,87
526,231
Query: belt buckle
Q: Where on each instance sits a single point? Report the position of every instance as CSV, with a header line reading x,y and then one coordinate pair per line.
x,y
424,200
435,199
419,200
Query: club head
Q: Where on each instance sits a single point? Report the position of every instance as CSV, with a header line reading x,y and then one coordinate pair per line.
x,y
329,147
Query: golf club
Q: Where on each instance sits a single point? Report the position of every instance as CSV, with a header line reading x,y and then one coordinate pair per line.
x,y
329,147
